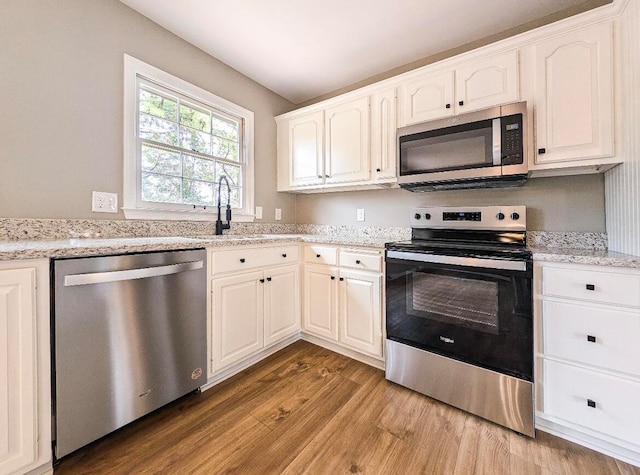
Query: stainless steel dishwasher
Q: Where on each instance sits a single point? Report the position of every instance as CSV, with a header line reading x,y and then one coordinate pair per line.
x,y
129,336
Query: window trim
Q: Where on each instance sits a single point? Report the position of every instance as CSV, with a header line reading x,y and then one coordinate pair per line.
x,y
134,68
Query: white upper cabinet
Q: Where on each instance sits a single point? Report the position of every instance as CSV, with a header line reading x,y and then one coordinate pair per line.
x,y
487,83
574,96
478,85
306,166
384,120
347,157
427,97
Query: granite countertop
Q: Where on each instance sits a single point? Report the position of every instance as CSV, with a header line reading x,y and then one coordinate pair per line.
x,y
35,249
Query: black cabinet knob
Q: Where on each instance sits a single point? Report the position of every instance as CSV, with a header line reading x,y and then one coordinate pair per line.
x,y
447,106
320,176
262,281
318,256
591,338
590,287
591,403
460,103
333,277
268,279
341,279
284,255
378,170
242,260
358,261
542,150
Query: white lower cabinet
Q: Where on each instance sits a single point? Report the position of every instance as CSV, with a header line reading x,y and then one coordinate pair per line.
x,y
343,301
254,305
25,424
587,355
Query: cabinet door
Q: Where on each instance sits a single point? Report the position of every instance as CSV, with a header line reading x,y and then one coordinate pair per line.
x,y
18,359
360,311
347,142
574,96
383,134
427,97
487,83
320,302
281,304
305,150
238,309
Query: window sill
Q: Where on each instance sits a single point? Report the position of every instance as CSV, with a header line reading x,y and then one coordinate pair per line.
x,y
182,215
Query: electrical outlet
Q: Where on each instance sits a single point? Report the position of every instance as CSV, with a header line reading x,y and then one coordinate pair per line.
x,y
258,212
103,202
359,214
278,214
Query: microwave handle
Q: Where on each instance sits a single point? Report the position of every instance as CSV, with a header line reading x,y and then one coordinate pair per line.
x,y
497,142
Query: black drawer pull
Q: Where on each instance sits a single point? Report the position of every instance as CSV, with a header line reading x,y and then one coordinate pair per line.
x,y
358,261
591,287
460,103
447,106
591,338
262,281
319,176
318,256
242,260
284,255
542,150
268,279
378,170
591,403
341,279
333,277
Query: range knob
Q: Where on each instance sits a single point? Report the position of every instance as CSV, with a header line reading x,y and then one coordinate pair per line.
x,y
427,216
417,215
500,216
515,216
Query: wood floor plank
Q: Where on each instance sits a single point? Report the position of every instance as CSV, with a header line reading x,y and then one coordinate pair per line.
x,y
484,449
309,410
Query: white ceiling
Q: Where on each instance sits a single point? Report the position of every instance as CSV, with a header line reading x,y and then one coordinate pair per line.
x,y
302,49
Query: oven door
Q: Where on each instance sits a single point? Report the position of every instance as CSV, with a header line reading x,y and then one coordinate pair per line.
x,y
476,310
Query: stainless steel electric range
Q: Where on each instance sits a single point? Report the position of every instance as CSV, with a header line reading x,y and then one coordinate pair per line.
x,y
460,311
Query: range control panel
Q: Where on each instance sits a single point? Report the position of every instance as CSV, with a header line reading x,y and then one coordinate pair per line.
x,y
479,217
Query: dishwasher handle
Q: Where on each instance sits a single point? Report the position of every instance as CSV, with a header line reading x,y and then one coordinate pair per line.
x,y
131,274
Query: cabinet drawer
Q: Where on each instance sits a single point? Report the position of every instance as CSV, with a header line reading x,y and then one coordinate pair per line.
x,y
595,336
363,260
569,393
326,255
607,287
243,259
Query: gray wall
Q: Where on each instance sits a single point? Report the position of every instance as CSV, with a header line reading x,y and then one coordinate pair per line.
x,y
554,204
61,95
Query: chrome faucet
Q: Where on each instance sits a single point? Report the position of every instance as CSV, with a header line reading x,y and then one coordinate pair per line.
x,y
219,225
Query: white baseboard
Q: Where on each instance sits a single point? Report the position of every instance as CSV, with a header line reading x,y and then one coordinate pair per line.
x,y
615,450
338,348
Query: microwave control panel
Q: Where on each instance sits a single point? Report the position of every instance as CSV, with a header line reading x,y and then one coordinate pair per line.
x,y
512,140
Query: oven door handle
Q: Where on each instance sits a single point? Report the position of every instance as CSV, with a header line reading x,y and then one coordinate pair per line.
x,y
459,261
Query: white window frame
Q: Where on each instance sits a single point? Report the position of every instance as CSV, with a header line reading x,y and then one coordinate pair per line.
x,y
133,206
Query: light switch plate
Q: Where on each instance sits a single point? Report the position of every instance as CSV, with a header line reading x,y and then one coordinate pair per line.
x,y
103,202
359,214
278,214
258,212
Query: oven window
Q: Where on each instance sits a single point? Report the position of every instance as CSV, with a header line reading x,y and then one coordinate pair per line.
x,y
468,303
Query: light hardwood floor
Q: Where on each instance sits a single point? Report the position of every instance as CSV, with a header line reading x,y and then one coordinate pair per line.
x,y
307,410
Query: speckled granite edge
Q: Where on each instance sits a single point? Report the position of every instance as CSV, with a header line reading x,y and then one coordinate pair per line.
x,y
19,229
585,256
568,240
364,232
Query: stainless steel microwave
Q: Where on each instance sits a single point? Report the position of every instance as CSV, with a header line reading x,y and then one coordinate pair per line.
x,y
480,149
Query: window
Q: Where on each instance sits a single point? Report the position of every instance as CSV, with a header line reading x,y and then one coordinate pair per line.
x,y
180,141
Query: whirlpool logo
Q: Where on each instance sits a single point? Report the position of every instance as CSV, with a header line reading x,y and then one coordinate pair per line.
x,y
447,340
